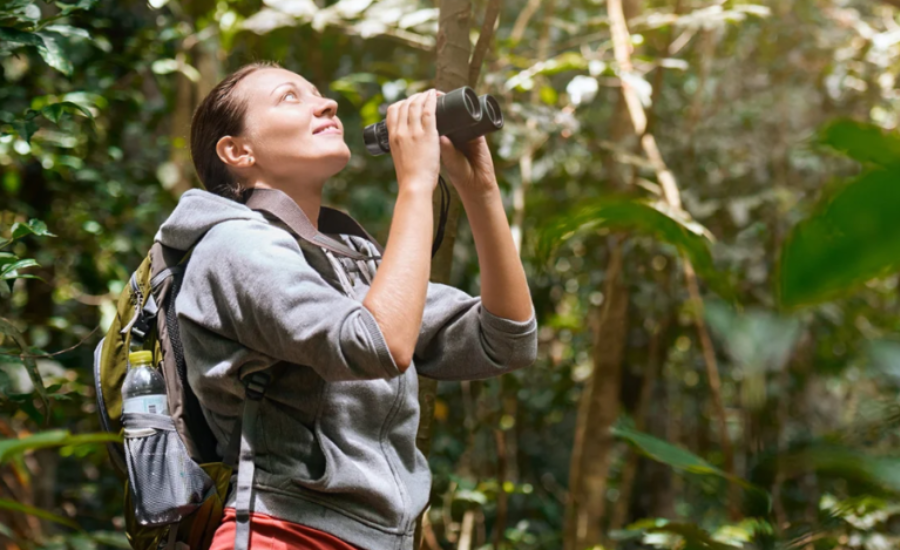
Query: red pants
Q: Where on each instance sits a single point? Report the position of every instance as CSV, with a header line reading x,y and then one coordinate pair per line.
x,y
268,533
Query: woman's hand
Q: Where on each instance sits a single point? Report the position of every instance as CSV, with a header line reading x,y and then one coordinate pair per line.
x,y
470,168
413,137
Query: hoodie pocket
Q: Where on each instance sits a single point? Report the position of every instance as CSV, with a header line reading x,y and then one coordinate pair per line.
x,y
353,432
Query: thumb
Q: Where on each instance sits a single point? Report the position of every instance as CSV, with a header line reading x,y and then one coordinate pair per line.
x,y
447,147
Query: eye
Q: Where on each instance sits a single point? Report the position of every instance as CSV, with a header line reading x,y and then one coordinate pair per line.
x,y
287,94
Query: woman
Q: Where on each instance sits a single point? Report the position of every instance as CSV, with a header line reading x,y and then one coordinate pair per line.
x,y
336,465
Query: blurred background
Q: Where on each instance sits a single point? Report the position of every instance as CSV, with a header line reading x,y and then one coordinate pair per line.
x,y
705,195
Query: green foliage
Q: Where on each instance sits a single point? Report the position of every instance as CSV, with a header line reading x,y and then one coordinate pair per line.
x,y
90,102
10,448
676,457
851,238
863,142
635,217
37,512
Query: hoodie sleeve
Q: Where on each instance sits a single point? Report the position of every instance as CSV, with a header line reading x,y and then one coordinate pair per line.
x,y
461,340
259,289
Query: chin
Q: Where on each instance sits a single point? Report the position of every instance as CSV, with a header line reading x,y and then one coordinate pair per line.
x,y
337,163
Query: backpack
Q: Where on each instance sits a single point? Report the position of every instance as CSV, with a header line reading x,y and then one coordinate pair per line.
x,y
176,482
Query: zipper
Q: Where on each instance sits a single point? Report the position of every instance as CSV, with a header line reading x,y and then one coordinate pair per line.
x,y
389,425
137,292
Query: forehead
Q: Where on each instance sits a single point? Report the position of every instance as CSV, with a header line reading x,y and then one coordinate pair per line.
x,y
263,81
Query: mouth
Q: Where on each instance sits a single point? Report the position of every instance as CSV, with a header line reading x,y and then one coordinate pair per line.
x,y
328,128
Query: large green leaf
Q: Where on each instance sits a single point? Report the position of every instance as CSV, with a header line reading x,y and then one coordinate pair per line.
x,y
52,438
863,142
640,217
852,237
676,457
37,512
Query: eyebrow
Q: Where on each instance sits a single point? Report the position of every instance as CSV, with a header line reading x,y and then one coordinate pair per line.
x,y
291,84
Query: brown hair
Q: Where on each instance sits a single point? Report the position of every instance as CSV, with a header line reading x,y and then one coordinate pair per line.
x,y
220,114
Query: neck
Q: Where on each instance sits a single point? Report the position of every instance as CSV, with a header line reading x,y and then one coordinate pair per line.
x,y
307,197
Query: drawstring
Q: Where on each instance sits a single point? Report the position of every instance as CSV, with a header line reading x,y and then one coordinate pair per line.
x,y
345,282
364,269
445,209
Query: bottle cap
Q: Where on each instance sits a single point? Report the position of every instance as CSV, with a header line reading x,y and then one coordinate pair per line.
x,y
142,356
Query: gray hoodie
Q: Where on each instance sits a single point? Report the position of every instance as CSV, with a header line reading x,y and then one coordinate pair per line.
x,y
335,441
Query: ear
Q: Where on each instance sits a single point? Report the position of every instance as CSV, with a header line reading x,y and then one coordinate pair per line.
x,y
234,152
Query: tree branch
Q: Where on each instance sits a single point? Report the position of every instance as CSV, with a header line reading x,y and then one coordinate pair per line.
x,y
671,194
491,13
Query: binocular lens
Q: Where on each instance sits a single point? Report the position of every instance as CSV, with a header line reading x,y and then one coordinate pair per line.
x,y
472,103
461,115
492,111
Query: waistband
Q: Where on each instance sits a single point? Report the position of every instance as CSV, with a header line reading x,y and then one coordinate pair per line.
x,y
297,508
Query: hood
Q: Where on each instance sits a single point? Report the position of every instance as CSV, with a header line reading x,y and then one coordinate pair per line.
x,y
198,211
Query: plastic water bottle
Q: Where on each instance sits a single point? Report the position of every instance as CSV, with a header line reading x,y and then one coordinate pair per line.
x,y
144,390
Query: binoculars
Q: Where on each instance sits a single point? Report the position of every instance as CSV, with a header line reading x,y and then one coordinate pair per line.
x,y
461,116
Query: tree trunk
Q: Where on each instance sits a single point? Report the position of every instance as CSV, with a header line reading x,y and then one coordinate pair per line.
x,y
598,410
656,356
452,62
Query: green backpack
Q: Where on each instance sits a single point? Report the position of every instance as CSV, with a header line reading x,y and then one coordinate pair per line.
x,y
176,483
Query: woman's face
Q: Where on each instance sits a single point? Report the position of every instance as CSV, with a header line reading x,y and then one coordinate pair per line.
x,y
290,128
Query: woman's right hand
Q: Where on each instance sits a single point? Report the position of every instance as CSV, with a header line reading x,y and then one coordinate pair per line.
x,y
415,144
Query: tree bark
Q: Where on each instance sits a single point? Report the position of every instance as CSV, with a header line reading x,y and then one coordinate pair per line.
x,y
453,71
598,410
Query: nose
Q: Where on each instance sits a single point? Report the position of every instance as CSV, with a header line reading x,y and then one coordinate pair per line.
x,y
327,105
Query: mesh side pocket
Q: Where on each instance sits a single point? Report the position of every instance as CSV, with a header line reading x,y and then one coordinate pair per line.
x,y
165,483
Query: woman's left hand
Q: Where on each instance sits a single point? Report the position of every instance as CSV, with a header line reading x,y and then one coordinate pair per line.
x,y
470,168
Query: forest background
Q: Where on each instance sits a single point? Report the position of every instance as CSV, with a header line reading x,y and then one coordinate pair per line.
x,y
705,195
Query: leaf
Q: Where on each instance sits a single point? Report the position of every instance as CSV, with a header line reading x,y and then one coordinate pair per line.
x,y
626,214
4,290
54,111
676,457
851,238
7,258
7,271
53,54
37,512
862,141
67,30
16,36
10,448
33,227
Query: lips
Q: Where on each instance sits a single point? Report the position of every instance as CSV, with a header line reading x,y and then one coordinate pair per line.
x,y
328,125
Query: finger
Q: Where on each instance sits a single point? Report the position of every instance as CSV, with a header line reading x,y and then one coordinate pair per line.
x,y
429,119
403,116
391,121
415,111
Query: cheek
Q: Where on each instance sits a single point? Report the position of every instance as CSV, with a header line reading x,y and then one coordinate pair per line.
x,y
282,130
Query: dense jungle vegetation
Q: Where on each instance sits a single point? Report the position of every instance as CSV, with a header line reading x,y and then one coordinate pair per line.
x,y
705,195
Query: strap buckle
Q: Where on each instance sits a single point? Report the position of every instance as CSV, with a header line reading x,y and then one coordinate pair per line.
x,y
255,385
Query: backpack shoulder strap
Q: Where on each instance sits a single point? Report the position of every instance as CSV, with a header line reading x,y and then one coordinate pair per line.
x,y
240,453
278,204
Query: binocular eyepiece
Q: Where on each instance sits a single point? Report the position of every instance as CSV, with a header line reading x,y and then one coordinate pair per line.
x,y
461,116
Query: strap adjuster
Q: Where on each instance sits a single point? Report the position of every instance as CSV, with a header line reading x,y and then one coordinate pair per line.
x,y
255,385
